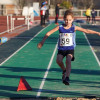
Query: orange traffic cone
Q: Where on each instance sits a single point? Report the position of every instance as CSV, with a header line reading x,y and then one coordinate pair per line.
x,y
23,85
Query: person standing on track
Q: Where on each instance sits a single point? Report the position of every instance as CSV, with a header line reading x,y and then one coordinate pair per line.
x,y
88,15
93,13
66,43
57,13
47,13
43,13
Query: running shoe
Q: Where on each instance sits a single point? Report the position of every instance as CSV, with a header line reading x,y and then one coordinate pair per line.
x,y
66,81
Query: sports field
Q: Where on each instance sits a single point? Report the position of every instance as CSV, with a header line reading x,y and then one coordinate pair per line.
x,y
40,70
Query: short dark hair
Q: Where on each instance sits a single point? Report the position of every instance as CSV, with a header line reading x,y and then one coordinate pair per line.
x,y
68,12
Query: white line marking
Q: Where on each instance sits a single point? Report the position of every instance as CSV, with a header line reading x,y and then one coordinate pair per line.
x,y
21,37
92,49
46,73
10,29
18,27
69,90
22,46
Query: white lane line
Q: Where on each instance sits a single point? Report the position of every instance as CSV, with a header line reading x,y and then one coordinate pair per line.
x,y
17,37
70,90
46,73
92,49
23,46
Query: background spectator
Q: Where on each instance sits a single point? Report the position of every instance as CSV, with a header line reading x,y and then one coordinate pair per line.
x,y
43,13
93,13
57,13
88,15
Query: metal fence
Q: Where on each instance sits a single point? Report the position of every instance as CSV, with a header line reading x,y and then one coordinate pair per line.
x,y
79,13
17,12
5,12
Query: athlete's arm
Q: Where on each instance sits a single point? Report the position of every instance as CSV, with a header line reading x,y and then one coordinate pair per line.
x,y
86,30
46,36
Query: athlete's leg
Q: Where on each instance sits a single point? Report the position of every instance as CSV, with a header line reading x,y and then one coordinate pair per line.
x,y
59,61
89,19
56,19
94,20
68,69
68,64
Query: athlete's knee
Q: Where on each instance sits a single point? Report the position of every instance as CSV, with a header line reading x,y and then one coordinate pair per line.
x,y
68,58
58,61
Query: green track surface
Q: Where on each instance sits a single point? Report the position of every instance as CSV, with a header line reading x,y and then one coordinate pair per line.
x,y
32,63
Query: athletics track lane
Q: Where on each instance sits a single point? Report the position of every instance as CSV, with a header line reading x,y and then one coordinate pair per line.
x,y
28,62
85,74
32,64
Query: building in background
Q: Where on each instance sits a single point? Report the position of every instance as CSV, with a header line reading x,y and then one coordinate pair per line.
x,y
7,6
16,6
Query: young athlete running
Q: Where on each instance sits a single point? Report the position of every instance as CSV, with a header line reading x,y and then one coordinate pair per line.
x,y
66,43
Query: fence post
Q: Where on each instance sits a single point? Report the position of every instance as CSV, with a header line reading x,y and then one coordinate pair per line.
x,y
97,12
11,22
81,13
8,23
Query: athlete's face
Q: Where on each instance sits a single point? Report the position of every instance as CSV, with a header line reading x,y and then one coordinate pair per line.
x,y
68,20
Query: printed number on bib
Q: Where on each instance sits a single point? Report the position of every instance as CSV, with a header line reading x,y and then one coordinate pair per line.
x,y
66,39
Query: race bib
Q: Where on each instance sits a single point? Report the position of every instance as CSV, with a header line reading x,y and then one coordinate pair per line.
x,y
66,39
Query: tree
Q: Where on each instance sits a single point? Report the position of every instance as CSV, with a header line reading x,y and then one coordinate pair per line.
x,y
20,5
84,4
66,4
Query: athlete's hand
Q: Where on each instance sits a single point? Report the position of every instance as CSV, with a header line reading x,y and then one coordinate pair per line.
x,y
99,33
40,45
